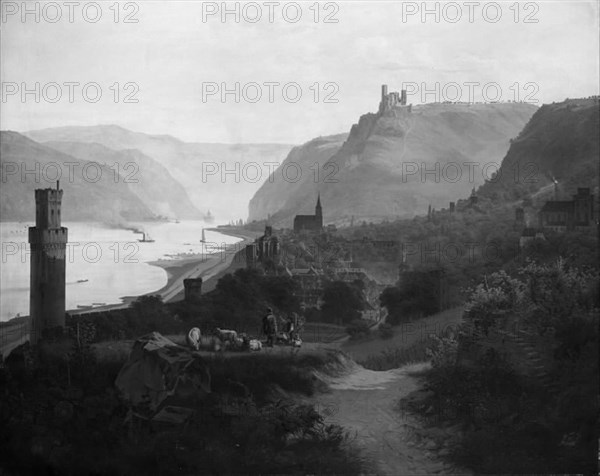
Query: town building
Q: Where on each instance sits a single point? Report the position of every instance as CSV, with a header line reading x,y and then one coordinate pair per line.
x,y
264,250
528,235
310,283
563,215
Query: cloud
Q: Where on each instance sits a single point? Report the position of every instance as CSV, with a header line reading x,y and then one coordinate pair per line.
x,y
170,52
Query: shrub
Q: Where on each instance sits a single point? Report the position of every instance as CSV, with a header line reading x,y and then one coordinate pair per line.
x,y
444,353
81,420
358,328
386,331
395,358
514,421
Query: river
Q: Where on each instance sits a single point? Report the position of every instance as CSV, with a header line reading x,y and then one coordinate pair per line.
x,y
103,264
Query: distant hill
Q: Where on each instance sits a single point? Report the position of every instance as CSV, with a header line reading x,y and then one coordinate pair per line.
x,y
191,164
103,200
379,170
561,142
281,198
146,178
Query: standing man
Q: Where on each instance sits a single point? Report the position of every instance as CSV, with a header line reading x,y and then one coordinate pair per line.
x,y
270,327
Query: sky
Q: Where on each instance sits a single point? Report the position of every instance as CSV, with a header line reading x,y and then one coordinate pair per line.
x,y
164,73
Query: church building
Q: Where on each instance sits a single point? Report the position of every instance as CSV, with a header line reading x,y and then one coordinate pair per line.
x,y
310,222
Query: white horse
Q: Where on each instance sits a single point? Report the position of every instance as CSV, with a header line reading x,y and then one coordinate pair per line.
x,y
197,341
193,338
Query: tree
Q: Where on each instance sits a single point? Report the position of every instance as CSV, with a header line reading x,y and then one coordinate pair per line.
x,y
416,295
391,299
342,302
280,291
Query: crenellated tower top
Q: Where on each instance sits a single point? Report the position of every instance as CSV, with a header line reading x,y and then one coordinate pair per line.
x,y
48,205
391,100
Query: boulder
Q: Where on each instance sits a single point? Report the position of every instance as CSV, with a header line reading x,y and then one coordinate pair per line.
x,y
158,368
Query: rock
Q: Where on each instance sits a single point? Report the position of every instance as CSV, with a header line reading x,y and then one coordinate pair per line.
x,y
431,445
63,410
444,452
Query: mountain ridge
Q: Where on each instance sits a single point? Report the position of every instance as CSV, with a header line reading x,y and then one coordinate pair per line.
x,y
191,164
149,181
107,201
372,179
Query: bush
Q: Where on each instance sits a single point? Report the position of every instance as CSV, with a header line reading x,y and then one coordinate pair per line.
x,y
386,331
514,421
395,358
342,302
80,420
358,328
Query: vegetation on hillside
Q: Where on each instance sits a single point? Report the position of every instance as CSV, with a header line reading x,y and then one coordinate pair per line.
x,y
62,415
514,417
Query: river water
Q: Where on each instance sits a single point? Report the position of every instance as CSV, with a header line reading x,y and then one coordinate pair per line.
x,y
103,264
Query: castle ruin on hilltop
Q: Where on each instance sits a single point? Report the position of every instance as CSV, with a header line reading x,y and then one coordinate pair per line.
x,y
391,100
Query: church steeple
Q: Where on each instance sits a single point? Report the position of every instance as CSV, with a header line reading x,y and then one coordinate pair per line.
x,y
319,212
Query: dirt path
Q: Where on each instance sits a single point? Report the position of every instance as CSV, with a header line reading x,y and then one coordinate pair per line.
x,y
405,335
365,402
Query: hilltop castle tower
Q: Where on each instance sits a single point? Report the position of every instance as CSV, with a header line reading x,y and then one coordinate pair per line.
x,y
48,241
391,100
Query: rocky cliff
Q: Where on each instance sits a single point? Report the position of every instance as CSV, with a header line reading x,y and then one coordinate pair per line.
x,y
394,163
560,143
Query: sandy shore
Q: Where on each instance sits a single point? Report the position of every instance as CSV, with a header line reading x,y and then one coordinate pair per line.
x,y
210,267
207,266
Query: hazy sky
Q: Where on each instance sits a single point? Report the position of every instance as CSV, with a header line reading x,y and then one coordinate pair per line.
x,y
172,51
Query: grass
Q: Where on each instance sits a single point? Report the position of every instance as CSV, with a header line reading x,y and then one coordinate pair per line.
x,y
288,371
394,358
270,436
322,332
406,336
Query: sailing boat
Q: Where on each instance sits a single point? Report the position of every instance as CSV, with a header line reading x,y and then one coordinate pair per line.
x,y
208,217
203,240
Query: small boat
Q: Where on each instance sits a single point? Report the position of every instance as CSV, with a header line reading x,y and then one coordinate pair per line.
x,y
146,239
82,280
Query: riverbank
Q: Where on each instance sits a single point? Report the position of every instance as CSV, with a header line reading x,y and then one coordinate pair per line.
x,y
209,267
215,261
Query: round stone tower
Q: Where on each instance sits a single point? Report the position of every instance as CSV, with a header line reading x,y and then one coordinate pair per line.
x,y
48,242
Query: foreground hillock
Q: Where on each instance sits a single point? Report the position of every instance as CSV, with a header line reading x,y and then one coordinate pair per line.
x,y
84,426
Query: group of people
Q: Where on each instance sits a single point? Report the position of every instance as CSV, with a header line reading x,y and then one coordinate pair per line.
x,y
290,333
222,339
